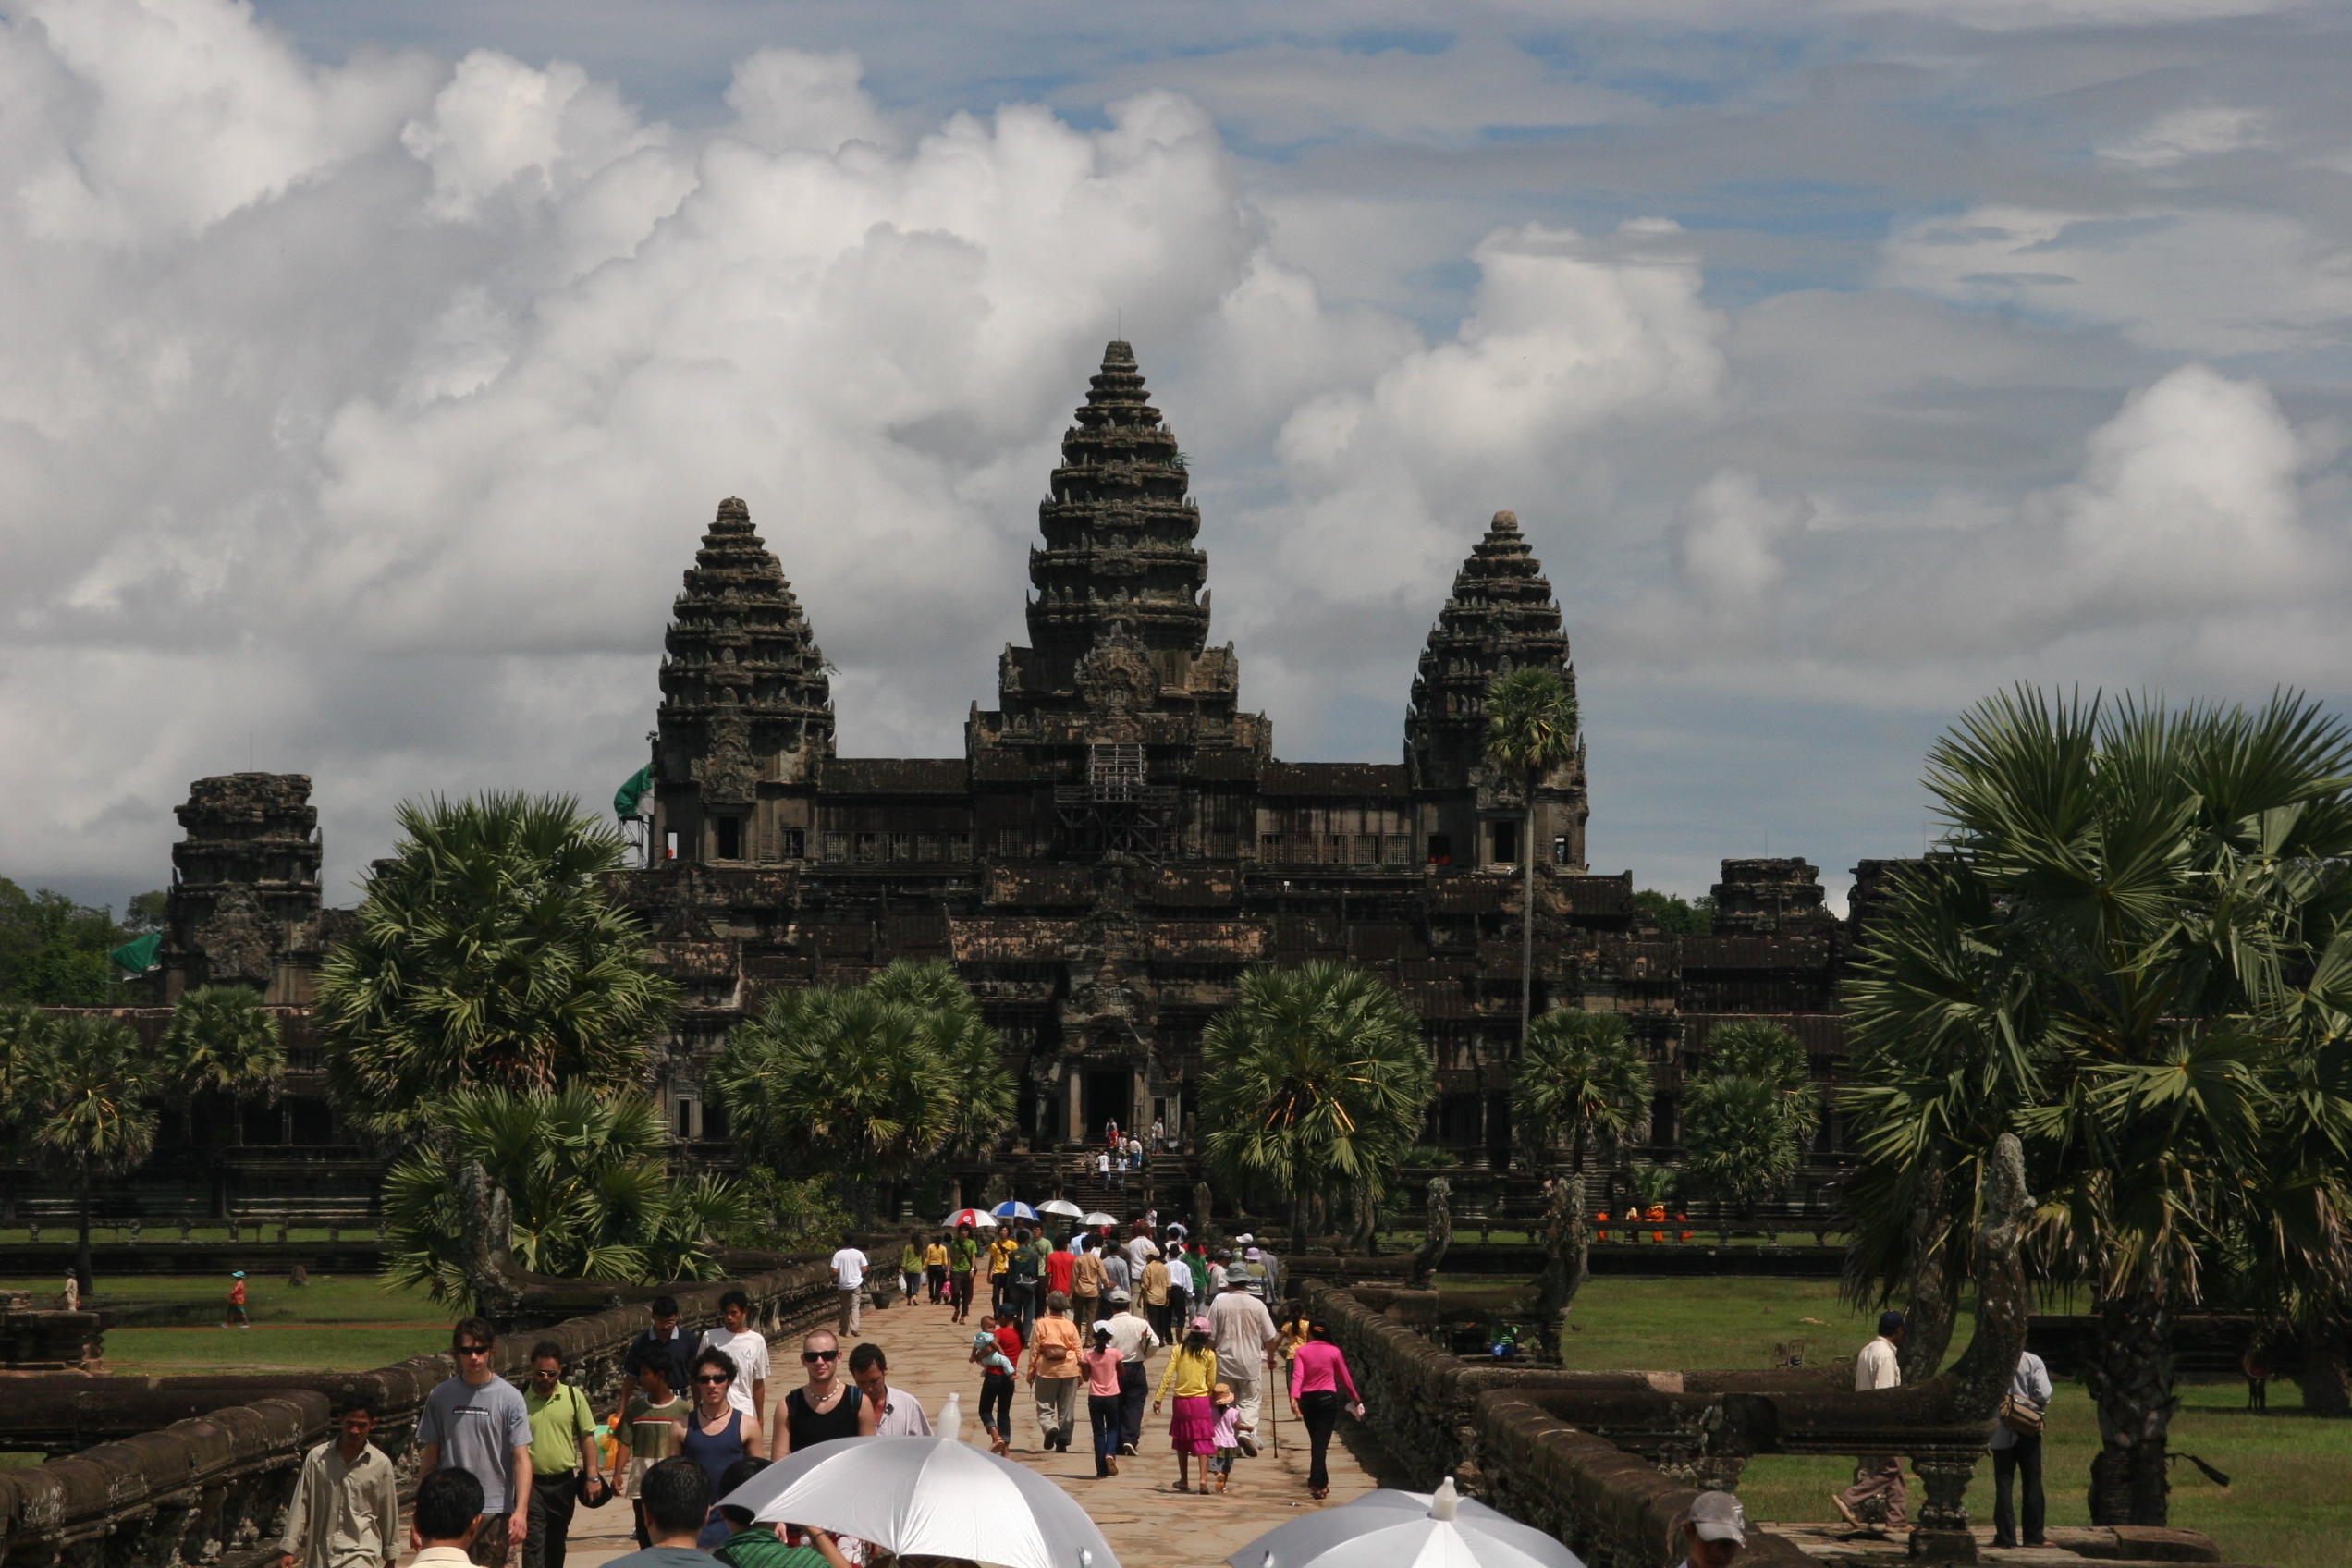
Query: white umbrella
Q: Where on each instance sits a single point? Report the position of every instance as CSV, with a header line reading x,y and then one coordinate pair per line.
x,y
1098,1218
928,1497
1061,1206
1397,1529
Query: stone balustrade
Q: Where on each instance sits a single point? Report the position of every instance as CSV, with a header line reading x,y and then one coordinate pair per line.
x,y
211,1489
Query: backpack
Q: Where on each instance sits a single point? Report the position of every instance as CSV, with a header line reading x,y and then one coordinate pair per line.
x,y
1024,1265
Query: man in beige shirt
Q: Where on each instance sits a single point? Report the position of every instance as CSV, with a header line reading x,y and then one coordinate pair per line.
x,y
1877,1497
346,1512
1086,1289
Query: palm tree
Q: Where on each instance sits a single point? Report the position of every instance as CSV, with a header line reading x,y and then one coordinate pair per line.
x,y
971,1053
488,954
221,1043
1316,1081
1752,1110
1531,730
869,1082
1580,1076
587,1188
85,1094
2135,952
221,1039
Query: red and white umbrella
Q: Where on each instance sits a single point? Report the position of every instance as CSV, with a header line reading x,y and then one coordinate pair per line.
x,y
978,1218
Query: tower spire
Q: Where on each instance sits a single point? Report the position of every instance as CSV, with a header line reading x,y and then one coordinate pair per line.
x,y
1501,616
746,700
1118,530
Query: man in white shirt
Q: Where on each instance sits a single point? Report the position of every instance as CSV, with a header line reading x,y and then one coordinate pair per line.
x,y
1244,1332
1132,1336
849,1282
1140,1249
902,1413
747,1348
1877,1497
2017,1456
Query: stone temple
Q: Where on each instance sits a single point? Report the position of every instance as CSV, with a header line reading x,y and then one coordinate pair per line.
x,y
1117,841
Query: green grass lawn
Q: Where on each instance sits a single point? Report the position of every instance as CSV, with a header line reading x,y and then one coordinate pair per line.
x,y
2288,1504
343,1323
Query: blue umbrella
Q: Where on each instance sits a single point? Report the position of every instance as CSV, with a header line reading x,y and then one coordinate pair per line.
x,y
1013,1208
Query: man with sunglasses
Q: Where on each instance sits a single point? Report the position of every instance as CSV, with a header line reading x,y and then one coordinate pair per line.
x,y
476,1422
827,1406
566,1467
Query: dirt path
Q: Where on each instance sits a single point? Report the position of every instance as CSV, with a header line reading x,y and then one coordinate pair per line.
x,y
1147,1522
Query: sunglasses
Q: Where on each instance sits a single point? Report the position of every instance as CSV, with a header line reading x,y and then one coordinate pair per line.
x,y
820,1355
471,1350
710,1380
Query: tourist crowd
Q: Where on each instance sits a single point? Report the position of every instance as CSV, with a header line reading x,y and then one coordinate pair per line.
x,y
502,1470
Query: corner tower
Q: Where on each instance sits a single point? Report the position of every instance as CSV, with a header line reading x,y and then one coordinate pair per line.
x,y
747,712
1500,617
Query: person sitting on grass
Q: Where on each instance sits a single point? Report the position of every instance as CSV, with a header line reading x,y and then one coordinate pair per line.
x,y
762,1546
446,1518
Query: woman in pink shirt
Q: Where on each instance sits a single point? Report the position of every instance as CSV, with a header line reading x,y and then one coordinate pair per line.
x,y
1318,1372
1102,1399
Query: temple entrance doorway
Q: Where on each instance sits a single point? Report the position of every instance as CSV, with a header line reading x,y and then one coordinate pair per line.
x,y
1110,1097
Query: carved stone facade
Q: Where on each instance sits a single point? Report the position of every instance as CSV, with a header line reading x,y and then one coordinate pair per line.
x,y
243,907
1118,842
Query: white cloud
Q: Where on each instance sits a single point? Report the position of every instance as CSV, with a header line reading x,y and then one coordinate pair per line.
x,y
1730,550
2200,280
2192,133
372,408
499,122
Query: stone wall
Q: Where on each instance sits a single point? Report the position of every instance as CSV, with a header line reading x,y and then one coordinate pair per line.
x,y
211,1489
1438,1415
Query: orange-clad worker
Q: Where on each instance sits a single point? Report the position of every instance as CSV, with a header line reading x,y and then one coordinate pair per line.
x,y
1658,1219
1604,1217
1683,1220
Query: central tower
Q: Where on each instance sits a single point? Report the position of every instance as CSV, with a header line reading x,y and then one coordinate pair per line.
x,y
1118,707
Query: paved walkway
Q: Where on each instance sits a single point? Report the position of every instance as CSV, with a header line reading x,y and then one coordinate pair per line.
x,y
1147,1522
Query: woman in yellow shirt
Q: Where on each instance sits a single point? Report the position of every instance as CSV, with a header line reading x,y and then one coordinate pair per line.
x,y
935,1268
1192,1371
1000,1252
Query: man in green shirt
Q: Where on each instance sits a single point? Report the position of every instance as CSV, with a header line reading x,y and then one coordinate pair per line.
x,y
758,1546
563,1449
963,1252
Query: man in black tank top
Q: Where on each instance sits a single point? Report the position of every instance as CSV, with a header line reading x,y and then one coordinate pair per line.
x,y
827,1405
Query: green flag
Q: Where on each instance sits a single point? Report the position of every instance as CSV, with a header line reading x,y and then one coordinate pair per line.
x,y
626,797
138,954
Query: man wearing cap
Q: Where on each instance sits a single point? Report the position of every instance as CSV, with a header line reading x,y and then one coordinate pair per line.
x,y
1713,1531
1245,1332
1877,1497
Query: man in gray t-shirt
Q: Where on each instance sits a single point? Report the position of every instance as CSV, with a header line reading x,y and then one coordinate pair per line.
x,y
477,1422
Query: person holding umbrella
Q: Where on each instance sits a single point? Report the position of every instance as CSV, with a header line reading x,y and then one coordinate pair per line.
x,y
1318,1371
1191,1430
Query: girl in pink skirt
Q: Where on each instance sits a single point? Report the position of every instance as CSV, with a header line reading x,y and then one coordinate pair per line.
x,y
1191,1372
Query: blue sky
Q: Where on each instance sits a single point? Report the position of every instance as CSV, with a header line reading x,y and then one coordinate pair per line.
x,y
373,370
